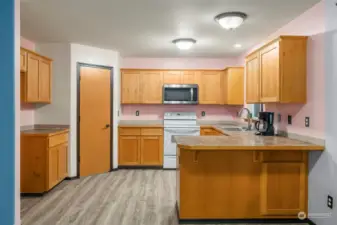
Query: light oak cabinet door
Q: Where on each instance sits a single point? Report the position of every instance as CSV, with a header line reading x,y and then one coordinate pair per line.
x,y
152,150
23,60
32,78
188,77
253,78
209,87
63,161
233,86
130,87
151,87
277,72
270,74
172,77
53,164
283,188
36,78
44,81
129,150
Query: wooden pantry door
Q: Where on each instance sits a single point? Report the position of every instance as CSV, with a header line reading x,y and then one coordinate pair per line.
x,y
95,120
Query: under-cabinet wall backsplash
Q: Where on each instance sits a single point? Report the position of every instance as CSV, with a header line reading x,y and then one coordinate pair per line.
x,y
156,112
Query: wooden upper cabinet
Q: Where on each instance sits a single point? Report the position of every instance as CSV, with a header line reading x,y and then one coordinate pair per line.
x,y
151,87
188,77
232,86
44,81
23,60
130,86
172,77
283,188
209,87
36,75
253,78
32,78
269,73
277,71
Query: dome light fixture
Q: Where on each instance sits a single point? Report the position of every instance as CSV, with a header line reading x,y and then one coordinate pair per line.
x,y
237,46
230,20
184,43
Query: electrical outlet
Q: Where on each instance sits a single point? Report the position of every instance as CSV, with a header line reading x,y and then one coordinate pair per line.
x,y
279,117
203,113
330,201
290,119
307,121
137,113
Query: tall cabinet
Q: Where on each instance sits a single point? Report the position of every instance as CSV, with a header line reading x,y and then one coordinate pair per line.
x,y
277,71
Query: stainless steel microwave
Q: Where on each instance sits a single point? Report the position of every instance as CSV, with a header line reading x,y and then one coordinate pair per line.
x,y
185,94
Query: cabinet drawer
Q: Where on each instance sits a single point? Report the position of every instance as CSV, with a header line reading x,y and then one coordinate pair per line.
x,y
152,131
58,139
129,131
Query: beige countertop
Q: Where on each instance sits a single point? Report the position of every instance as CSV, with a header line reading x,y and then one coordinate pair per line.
x,y
242,140
44,131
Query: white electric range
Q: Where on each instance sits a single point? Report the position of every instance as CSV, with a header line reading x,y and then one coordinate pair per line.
x,y
177,124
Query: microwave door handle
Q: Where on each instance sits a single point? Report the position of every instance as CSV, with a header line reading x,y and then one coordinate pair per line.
x,y
191,94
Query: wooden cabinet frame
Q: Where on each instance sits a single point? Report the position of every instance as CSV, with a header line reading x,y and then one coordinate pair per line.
x,y
141,136
284,80
35,78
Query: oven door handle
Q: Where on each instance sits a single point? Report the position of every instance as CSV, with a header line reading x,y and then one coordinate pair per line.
x,y
184,132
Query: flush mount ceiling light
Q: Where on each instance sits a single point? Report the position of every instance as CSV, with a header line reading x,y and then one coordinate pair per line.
x,y
184,43
230,20
237,46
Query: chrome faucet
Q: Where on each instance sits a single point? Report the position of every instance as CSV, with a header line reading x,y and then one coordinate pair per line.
x,y
249,117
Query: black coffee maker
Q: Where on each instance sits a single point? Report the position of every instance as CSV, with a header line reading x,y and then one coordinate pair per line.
x,y
265,125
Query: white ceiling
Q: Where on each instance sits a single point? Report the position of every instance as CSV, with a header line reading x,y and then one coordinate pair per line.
x,y
145,28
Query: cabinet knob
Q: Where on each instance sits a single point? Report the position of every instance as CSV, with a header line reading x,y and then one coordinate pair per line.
x,y
107,126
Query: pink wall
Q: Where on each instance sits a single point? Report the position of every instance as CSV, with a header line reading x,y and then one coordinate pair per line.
x,y
156,112
311,23
27,110
25,43
153,112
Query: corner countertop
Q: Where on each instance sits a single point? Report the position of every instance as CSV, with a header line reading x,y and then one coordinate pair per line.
x,y
44,130
242,140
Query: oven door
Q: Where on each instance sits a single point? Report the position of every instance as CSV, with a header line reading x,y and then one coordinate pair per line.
x,y
180,94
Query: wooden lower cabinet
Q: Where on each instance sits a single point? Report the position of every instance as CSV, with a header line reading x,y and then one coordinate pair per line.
x,y
241,184
52,166
44,162
140,147
283,188
152,150
129,150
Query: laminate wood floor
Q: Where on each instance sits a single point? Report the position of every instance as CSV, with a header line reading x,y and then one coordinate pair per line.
x,y
124,197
